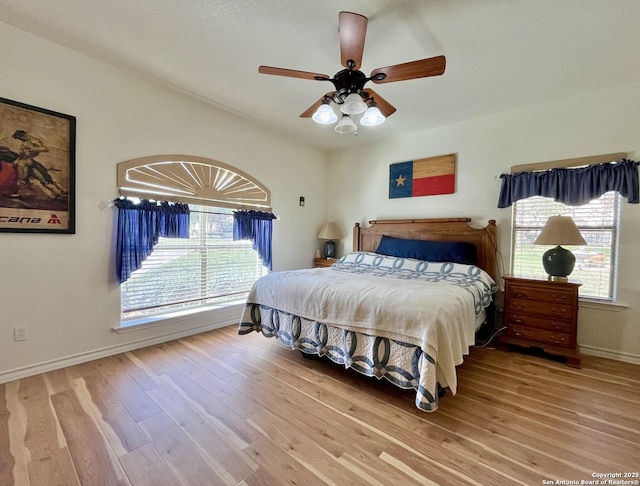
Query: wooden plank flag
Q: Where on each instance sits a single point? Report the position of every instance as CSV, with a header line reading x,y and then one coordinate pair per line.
x,y
423,177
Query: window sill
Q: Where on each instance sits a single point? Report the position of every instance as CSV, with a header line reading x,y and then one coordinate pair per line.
x,y
603,305
227,312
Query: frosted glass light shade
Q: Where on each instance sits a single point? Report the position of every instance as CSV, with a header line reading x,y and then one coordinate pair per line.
x,y
353,105
325,115
372,117
346,125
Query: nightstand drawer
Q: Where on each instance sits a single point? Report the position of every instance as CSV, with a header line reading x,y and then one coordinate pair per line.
x,y
559,296
540,335
323,262
531,320
540,308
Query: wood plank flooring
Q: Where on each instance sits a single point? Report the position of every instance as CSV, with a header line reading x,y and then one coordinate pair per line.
x,y
223,409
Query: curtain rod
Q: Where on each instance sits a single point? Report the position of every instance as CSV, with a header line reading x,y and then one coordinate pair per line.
x,y
210,212
110,204
557,164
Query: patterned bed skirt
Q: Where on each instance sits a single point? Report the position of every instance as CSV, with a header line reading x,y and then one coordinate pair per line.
x,y
405,365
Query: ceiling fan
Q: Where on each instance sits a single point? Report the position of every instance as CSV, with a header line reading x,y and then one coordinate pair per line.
x,y
349,84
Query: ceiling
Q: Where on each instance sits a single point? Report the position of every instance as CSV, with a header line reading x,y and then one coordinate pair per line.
x,y
501,54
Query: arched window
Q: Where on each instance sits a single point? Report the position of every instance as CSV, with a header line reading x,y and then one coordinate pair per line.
x,y
209,268
191,180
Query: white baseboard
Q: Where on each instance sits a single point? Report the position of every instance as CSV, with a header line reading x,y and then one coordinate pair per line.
x,y
606,353
56,364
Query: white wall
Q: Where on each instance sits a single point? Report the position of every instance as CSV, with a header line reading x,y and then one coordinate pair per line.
x,y
589,124
61,286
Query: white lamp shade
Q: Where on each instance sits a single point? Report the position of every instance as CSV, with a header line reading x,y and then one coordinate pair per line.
x,y
329,231
560,230
353,105
325,115
346,125
372,117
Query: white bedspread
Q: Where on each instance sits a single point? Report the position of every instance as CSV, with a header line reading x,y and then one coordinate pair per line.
x,y
431,305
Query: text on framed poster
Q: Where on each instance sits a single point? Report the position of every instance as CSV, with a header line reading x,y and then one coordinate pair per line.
x,y
37,169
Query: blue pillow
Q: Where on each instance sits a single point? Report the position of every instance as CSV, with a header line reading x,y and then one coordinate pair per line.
x,y
432,251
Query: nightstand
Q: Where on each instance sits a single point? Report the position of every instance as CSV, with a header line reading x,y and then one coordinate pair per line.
x,y
323,262
542,314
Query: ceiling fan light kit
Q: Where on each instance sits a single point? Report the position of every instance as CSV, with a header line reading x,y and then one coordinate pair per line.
x,y
350,93
353,104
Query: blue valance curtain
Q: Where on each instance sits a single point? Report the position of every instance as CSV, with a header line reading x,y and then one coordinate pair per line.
x,y
256,226
139,227
573,187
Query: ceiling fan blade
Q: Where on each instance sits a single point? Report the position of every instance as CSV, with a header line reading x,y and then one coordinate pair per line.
x,y
352,30
308,113
433,66
291,73
386,108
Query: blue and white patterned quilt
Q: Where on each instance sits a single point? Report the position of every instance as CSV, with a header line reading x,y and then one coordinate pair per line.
x,y
406,320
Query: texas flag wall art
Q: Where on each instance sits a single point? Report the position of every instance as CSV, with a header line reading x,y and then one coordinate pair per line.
x,y
423,177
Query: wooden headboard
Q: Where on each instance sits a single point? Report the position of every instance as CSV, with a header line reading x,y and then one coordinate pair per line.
x,y
450,229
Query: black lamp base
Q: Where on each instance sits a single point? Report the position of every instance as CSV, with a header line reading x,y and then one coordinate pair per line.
x,y
558,262
329,249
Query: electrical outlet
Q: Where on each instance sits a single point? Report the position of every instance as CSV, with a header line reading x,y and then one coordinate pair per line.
x,y
20,333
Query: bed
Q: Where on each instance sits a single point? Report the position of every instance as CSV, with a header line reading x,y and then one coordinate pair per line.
x,y
403,306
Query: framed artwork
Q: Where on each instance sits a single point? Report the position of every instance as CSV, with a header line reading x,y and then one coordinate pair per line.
x,y
423,177
37,169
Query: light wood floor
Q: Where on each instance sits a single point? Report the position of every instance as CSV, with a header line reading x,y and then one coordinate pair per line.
x,y
218,408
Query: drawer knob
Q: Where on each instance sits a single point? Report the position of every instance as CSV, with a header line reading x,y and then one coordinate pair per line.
x,y
520,295
558,340
558,312
559,298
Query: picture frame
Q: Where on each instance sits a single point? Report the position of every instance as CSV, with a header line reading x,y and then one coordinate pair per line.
x,y
431,176
37,169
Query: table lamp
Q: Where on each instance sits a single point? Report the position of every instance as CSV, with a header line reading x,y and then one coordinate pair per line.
x,y
559,262
329,231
